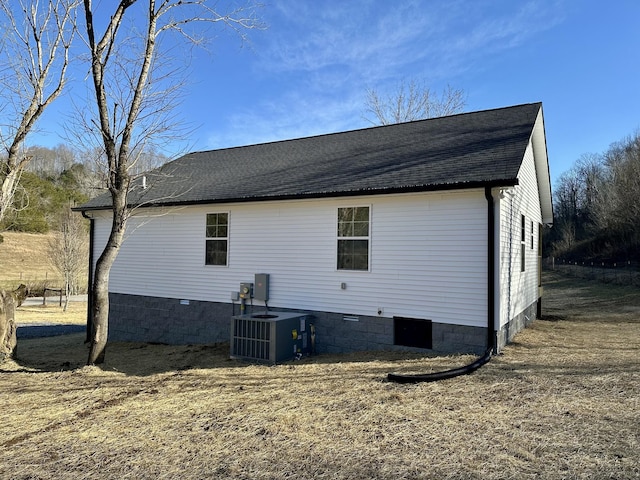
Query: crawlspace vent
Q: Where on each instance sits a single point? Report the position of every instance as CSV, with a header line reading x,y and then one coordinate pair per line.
x,y
412,332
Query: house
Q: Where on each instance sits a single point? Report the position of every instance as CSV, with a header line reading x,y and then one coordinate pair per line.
x,y
424,234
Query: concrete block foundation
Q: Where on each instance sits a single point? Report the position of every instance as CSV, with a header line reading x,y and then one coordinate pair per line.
x,y
174,321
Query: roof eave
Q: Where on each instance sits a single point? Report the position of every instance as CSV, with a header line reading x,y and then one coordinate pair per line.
x,y
507,182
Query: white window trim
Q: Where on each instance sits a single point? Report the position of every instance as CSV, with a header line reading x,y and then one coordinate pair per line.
x,y
226,265
368,238
532,235
523,243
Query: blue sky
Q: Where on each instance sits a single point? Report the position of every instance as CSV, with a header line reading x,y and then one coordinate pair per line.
x,y
308,73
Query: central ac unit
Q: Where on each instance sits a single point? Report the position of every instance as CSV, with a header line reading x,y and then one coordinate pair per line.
x,y
270,337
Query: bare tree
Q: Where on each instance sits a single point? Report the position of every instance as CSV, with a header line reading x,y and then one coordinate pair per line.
x,y
592,173
49,162
69,251
36,40
412,101
34,54
619,206
134,86
568,197
597,204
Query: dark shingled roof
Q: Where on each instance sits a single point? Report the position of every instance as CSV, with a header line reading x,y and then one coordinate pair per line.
x,y
474,149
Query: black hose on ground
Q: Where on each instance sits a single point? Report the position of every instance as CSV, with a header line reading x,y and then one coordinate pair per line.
x,y
432,377
491,341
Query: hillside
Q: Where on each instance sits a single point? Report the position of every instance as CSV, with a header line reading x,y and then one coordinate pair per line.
x,y
24,259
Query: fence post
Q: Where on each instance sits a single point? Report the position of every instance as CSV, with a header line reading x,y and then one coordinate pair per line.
x,y
608,273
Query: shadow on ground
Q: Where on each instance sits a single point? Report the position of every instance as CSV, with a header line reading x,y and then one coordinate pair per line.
x,y
47,330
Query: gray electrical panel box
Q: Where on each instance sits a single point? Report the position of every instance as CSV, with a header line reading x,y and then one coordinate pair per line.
x,y
261,287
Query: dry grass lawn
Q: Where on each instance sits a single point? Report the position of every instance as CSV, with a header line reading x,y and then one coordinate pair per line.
x,y
561,402
52,313
24,258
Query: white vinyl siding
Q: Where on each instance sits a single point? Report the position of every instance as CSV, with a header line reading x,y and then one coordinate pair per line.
x,y
518,245
427,256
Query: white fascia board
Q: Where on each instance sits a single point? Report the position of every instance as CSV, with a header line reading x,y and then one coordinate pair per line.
x,y
539,143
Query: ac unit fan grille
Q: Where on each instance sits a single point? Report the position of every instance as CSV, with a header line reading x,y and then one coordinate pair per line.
x,y
251,338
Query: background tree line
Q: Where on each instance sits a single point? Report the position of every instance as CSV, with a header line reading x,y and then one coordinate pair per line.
x,y
597,206
52,182
55,180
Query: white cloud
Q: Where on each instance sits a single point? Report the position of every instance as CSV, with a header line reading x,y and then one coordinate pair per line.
x,y
377,41
322,56
291,115
490,33
352,35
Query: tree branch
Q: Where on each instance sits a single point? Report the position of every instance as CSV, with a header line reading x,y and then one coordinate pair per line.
x,y
32,55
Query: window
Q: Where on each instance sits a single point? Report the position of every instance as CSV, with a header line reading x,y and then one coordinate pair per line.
x,y
523,236
217,241
532,235
353,238
539,256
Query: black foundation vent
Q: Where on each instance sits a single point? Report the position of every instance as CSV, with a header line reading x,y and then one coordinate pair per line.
x,y
412,332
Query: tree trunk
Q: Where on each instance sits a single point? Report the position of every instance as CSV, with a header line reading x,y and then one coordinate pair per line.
x,y
9,301
8,187
100,310
100,319
67,293
100,287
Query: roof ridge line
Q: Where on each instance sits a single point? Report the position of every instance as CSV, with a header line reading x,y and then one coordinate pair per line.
x,y
328,134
